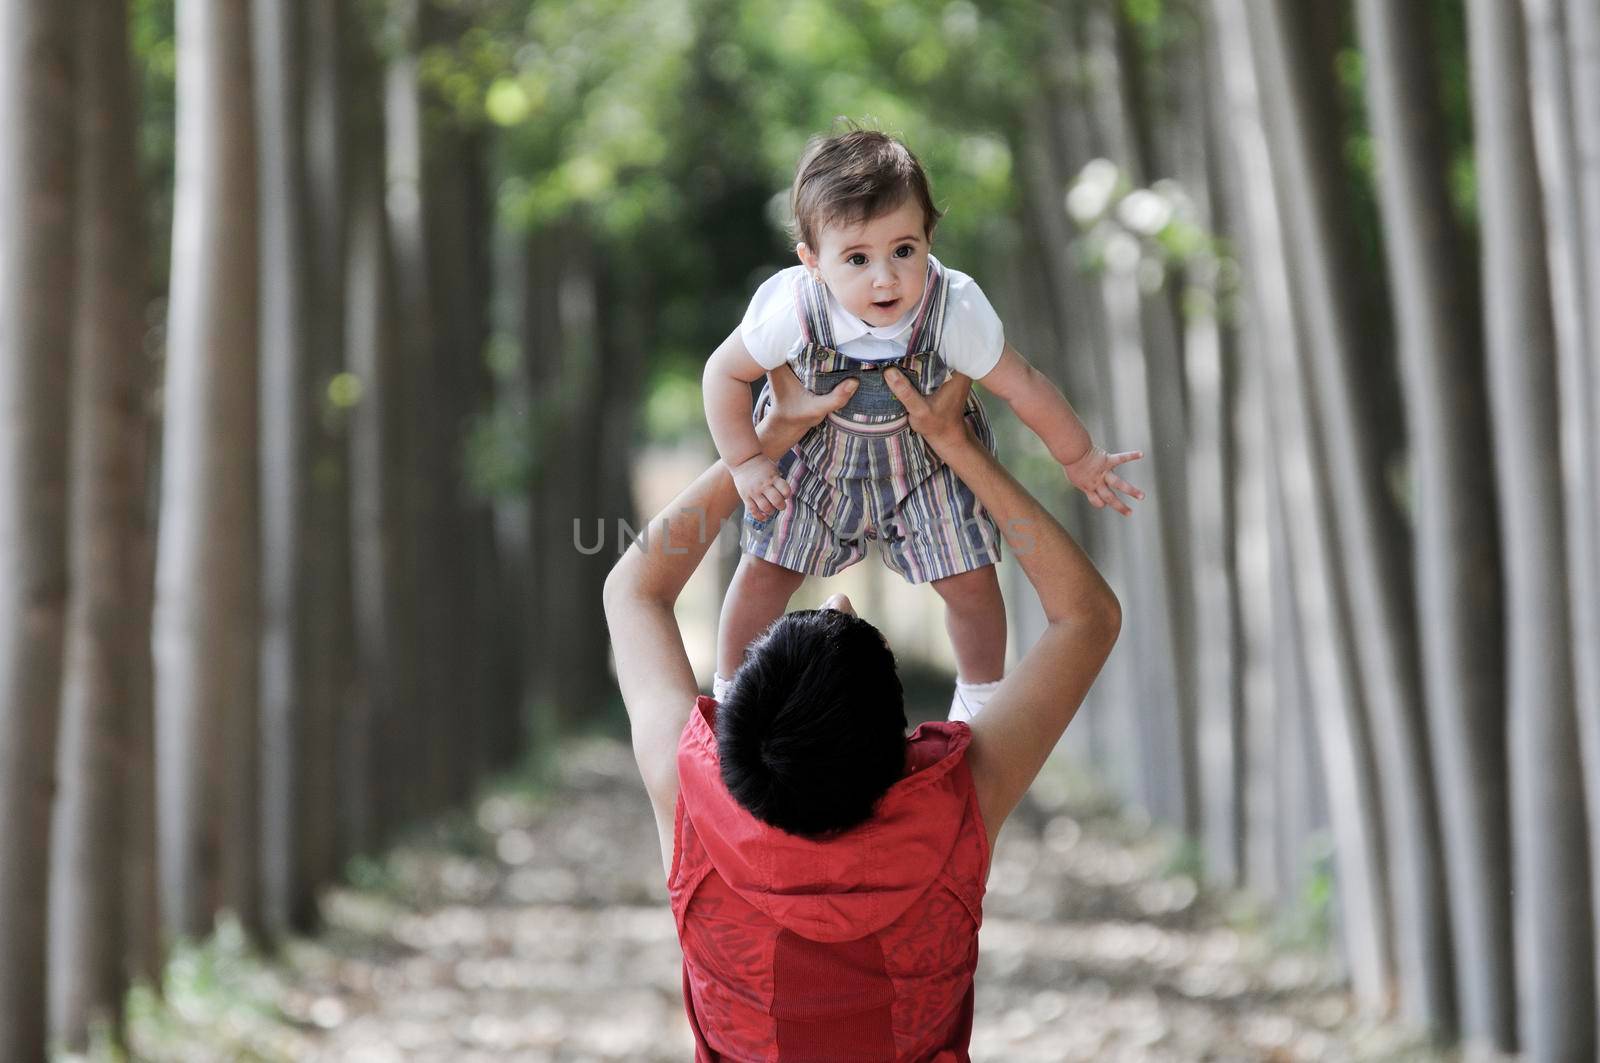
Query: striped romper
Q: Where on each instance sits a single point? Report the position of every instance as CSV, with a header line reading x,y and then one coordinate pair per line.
x,y
862,473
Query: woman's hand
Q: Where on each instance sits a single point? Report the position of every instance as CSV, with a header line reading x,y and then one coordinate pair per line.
x,y
793,412
940,418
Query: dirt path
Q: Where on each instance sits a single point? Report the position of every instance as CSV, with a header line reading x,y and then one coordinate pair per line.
x,y
540,932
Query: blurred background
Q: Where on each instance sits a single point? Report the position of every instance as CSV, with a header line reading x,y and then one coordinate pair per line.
x,y
346,342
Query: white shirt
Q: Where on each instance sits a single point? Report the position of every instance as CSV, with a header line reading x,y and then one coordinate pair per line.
x,y
972,343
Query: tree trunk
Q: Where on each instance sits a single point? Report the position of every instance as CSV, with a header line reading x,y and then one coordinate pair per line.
x,y
578,543
378,513
330,661
108,636
1583,29
1306,146
1286,743
36,273
1070,356
1153,364
419,641
458,226
207,587
539,333
1265,703
286,412
1341,736
1455,550
1555,962
1212,460
1555,87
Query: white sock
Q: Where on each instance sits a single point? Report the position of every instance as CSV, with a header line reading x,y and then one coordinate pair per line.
x,y
720,686
970,698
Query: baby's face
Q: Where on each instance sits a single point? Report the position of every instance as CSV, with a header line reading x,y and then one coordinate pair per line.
x,y
876,269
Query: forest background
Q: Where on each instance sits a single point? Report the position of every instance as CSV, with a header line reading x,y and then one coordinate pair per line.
x,y
338,336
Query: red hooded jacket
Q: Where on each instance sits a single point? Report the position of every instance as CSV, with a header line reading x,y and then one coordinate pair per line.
x,y
860,946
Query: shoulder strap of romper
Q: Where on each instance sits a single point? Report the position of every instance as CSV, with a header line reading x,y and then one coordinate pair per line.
x,y
811,306
928,330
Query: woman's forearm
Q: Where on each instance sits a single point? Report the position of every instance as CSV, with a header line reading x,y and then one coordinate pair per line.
x,y
661,561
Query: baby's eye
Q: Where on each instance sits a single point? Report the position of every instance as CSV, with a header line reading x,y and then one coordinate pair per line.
x,y
907,248
857,255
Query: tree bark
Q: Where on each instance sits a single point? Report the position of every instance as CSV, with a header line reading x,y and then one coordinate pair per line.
x,y
1555,960
1555,102
458,228
207,586
1212,463
1305,142
577,536
404,153
378,514
1455,549
1151,364
108,636
330,662
286,411
1337,711
36,281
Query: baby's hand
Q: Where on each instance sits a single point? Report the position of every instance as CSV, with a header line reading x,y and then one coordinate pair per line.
x,y
1092,474
761,487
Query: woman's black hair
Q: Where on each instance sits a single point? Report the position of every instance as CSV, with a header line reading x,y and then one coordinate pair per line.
x,y
813,731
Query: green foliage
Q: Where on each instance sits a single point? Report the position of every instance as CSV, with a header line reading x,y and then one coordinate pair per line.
x,y
1155,233
672,406
219,993
1187,858
1455,86
1308,921
153,30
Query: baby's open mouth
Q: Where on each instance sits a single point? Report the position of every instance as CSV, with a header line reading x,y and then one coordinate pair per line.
x,y
886,304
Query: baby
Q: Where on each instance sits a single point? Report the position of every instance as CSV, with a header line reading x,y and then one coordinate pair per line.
x,y
869,300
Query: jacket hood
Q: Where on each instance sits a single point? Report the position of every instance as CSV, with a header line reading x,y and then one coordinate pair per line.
x,y
847,885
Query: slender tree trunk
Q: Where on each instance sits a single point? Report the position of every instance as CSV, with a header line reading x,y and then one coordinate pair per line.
x,y
1212,460
569,366
378,514
1306,143
1456,552
330,661
1059,344
420,641
1287,739
207,587
1555,87
36,273
1071,138
458,226
108,633
286,412
539,334
1341,736
1555,961
1265,703
139,877
1153,362
1580,417
1583,37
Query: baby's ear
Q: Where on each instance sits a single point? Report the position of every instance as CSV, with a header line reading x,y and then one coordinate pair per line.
x,y
805,255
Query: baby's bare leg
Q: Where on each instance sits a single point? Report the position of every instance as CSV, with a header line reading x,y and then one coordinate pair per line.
x,y
758,595
975,616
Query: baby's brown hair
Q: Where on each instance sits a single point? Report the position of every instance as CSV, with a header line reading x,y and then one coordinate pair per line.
x,y
849,178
